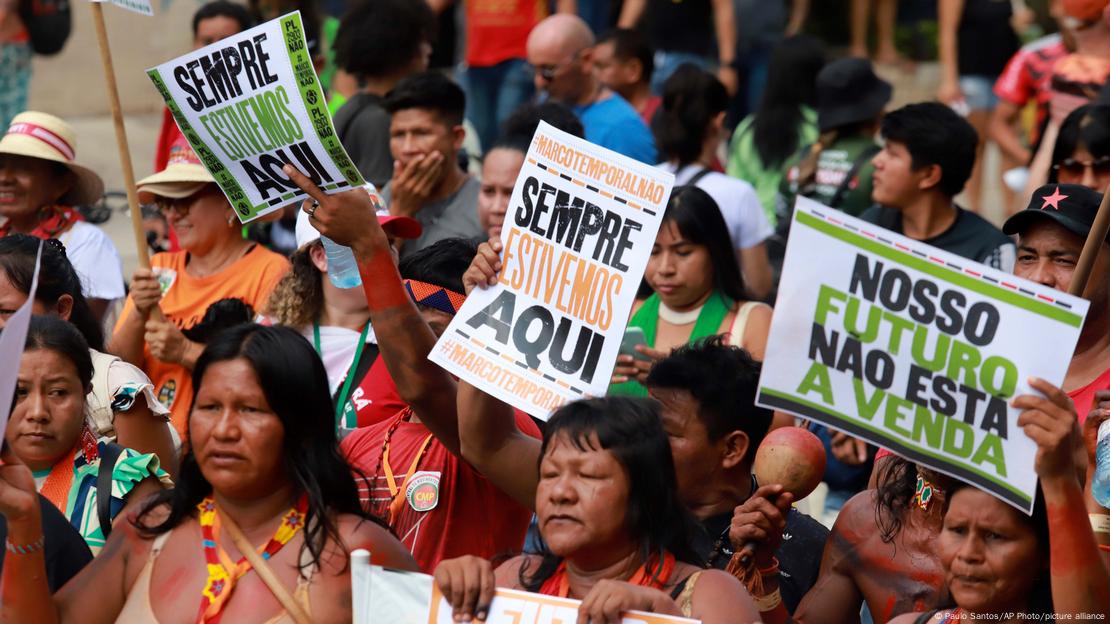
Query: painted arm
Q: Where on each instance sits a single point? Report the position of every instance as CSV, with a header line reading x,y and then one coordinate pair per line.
x,y
404,339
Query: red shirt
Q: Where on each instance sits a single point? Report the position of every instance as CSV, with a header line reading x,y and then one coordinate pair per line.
x,y
497,30
650,107
463,513
376,399
1028,77
1084,398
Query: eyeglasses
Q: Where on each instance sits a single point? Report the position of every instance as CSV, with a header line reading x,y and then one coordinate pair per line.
x,y
1077,168
179,206
548,72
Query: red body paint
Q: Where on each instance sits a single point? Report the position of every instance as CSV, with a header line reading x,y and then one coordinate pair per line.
x,y
1073,544
380,271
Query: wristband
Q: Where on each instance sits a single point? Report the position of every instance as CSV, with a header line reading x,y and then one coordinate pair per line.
x,y
26,549
1100,523
768,602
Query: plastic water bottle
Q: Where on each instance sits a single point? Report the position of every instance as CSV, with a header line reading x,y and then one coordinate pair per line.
x,y
1100,487
342,266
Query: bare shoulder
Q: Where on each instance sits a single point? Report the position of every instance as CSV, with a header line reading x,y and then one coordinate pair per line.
x,y
385,549
508,573
857,517
718,593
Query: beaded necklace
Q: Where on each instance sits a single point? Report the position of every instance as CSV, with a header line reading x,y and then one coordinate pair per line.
x,y
222,573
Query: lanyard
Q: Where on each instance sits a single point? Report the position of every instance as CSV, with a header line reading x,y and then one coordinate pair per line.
x,y
341,403
395,503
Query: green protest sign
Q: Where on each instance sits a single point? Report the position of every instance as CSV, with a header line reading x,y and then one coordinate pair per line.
x,y
914,349
250,104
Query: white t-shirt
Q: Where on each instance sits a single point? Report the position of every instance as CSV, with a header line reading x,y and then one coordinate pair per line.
x,y
96,261
337,350
747,223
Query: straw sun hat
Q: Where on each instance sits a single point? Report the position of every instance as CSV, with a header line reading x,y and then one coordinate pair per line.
x,y
46,137
183,175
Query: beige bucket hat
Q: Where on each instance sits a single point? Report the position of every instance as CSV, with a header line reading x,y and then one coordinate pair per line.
x,y
46,137
183,175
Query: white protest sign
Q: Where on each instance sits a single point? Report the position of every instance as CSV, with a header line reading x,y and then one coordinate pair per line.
x,y
914,349
413,598
248,105
579,229
12,340
136,6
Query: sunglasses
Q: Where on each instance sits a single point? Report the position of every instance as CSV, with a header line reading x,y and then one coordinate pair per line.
x,y
1076,168
180,207
548,72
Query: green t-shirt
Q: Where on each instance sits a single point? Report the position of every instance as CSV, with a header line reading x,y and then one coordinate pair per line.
x,y
833,165
744,161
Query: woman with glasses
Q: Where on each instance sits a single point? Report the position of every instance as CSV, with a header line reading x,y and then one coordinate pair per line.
x,y
1082,151
215,263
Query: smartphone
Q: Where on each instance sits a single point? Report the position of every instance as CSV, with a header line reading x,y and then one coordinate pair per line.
x,y
633,336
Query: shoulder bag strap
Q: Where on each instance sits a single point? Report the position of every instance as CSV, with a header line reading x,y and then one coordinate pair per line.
x,y
109,454
292,607
861,160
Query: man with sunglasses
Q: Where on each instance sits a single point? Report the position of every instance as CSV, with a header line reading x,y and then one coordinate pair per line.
x,y
561,50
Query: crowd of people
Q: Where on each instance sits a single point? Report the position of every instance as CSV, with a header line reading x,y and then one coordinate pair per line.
x,y
229,423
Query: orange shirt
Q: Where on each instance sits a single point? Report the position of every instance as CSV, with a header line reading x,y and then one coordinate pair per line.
x,y
184,302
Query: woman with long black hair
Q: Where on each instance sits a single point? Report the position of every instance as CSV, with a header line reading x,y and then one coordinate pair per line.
x,y
263,457
615,534
785,121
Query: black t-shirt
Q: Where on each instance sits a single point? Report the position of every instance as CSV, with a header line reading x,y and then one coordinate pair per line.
x,y
970,236
362,125
65,550
681,26
799,555
985,39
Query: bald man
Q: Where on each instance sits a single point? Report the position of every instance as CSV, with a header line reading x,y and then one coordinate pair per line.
x,y
560,50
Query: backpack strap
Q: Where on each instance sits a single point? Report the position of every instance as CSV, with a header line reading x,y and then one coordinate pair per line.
x,y
109,454
862,159
694,179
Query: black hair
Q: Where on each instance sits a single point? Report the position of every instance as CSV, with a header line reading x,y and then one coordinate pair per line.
x,y
791,84
1040,595
699,220
723,379
630,429
430,90
54,334
692,97
378,38
223,8
895,487
934,134
441,264
1088,127
57,277
518,127
295,384
265,10
630,44
221,315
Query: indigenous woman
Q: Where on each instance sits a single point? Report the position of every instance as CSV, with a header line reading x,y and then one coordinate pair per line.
x,y
614,532
698,291
48,432
336,320
263,467
120,406
215,263
40,185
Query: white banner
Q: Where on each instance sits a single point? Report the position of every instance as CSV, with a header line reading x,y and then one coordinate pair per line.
x,y
914,349
250,104
579,229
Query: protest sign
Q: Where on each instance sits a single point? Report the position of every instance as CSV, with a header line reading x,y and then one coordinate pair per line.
x,y
914,349
248,105
136,6
578,233
12,340
413,598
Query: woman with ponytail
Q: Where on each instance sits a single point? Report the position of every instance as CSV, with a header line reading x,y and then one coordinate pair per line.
x,y
120,406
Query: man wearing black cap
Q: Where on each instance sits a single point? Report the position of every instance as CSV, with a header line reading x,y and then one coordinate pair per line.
x,y
927,157
1051,232
836,170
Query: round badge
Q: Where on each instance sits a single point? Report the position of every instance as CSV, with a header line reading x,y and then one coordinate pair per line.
x,y
422,492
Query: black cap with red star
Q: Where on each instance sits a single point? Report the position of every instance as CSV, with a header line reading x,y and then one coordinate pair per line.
x,y
1073,206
